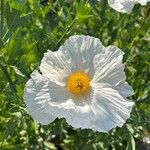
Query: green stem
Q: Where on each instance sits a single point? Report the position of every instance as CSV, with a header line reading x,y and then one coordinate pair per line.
x,y
2,21
7,76
67,30
3,68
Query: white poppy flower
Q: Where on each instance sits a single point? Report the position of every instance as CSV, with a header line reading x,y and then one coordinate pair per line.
x,y
83,82
125,6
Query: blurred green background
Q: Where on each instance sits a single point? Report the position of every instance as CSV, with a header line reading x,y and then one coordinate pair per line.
x,y
28,28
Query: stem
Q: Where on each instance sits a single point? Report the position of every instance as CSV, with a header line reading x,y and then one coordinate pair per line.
x,y
61,38
2,19
7,76
3,68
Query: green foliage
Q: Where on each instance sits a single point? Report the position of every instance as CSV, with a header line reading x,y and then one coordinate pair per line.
x,y
28,29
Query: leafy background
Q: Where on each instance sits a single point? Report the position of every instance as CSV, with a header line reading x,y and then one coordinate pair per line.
x,y
28,28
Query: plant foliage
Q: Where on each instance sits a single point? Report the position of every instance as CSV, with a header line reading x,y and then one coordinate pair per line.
x,y
28,28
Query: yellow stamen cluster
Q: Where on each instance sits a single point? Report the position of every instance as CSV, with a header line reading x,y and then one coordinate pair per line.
x,y
78,83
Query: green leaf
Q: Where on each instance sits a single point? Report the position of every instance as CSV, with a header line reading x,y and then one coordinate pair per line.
x,y
50,145
10,128
131,143
17,71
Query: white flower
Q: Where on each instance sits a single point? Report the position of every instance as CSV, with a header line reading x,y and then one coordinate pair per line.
x,y
125,6
83,82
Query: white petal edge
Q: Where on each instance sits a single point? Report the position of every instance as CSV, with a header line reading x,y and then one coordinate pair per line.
x,y
111,109
109,67
36,95
124,89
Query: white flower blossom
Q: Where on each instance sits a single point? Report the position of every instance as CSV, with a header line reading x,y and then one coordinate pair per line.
x,y
83,82
125,6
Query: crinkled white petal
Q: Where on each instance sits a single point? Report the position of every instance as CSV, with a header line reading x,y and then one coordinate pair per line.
x,y
110,108
47,100
125,6
110,69
108,66
80,50
76,111
55,66
36,96
124,89
143,2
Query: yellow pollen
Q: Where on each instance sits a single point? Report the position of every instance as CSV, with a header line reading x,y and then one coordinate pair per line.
x,y
78,83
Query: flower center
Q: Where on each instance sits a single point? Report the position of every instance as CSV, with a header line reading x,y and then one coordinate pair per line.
x,y
78,83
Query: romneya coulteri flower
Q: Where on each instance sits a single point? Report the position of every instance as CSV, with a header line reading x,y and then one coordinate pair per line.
x,y
83,82
125,6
